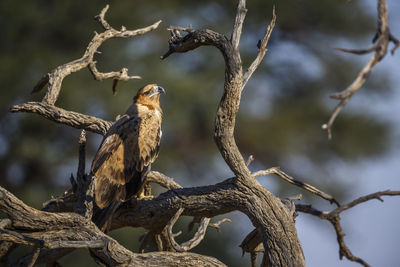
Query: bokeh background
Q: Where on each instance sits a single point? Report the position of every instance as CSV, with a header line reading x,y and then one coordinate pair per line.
x,y
279,122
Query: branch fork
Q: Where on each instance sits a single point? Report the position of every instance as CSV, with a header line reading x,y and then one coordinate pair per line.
x,y
382,39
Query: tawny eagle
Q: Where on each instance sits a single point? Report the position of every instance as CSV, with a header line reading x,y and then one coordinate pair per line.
x,y
126,153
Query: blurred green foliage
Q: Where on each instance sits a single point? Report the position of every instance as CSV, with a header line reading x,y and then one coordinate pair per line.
x,y
283,105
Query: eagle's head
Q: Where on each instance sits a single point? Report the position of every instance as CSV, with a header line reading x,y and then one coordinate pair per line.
x,y
149,95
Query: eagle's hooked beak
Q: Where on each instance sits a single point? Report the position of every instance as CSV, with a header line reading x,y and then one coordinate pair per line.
x,y
160,90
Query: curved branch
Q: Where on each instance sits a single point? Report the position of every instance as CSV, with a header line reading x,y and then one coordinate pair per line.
x,y
56,76
196,239
267,213
70,118
383,38
291,180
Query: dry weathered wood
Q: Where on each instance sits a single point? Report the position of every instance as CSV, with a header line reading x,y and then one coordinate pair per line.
x,y
266,212
70,118
334,218
383,38
262,49
252,244
291,180
69,230
162,179
237,27
56,77
197,237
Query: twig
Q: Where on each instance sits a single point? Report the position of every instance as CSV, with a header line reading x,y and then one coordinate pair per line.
x,y
217,225
383,38
396,43
84,191
121,75
291,180
197,238
176,29
334,218
261,51
249,160
35,255
162,179
82,157
237,27
169,226
100,18
363,199
359,51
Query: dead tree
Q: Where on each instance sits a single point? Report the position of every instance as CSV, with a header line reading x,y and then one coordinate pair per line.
x,y
64,223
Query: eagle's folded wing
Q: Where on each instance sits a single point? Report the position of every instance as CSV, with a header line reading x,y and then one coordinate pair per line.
x,y
111,162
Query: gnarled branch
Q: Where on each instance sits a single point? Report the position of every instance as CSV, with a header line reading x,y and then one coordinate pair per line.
x,y
70,230
56,77
382,39
70,118
334,218
265,214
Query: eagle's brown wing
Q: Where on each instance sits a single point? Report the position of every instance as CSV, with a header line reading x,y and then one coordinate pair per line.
x,y
128,148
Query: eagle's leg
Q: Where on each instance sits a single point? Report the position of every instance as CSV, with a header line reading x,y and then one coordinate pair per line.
x,y
145,189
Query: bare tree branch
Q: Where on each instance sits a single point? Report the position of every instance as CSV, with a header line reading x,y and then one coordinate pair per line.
x,y
100,18
334,218
383,38
217,224
197,237
363,199
261,50
237,27
35,255
69,230
162,179
56,77
70,118
291,180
